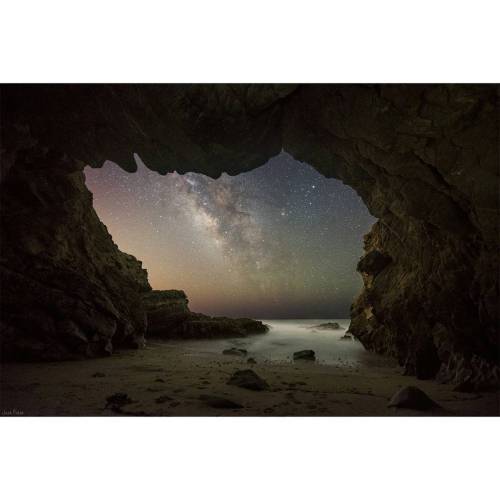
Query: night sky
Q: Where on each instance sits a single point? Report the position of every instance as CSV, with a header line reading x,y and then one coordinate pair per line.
x,y
280,241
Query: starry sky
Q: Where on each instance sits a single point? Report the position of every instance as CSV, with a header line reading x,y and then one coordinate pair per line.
x,y
280,241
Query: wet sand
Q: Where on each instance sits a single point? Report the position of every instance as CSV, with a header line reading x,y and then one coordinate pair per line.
x,y
172,379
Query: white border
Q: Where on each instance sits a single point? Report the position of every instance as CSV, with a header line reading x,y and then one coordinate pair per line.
x,y
249,458
250,41
258,41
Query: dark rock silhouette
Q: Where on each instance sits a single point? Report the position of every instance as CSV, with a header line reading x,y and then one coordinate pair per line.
x,y
346,336
412,398
248,379
117,400
306,354
220,403
327,326
68,292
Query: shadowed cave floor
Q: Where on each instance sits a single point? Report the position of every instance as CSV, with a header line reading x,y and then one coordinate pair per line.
x,y
179,378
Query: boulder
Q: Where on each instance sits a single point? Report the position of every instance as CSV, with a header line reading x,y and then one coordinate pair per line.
x,y
306,354
412,397
248,379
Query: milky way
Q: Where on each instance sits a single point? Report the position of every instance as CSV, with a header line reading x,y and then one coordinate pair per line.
x,y
280,241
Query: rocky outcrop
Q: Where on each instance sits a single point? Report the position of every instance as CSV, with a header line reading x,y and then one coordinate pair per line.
x,y
332,325
373,262
168,316
424,158
422,309
67,290
166,312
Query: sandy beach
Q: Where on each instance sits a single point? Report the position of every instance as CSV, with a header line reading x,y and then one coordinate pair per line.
x,y
173,379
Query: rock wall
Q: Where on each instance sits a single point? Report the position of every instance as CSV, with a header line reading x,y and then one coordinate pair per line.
x,y
424,158
66,290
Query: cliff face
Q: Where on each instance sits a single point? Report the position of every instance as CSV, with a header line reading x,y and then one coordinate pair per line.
x,y
410,309
67,290
424,158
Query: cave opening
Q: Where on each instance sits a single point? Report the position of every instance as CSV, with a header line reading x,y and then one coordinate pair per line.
x,y
280,244
281,241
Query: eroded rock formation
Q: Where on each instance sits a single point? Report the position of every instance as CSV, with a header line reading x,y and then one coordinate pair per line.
x,y
67,290
168,316
424,158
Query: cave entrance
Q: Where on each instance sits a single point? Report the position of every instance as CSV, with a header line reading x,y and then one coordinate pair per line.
x,y
279,244
280,241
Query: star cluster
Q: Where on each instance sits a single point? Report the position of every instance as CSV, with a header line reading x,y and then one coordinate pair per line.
x,y
280,241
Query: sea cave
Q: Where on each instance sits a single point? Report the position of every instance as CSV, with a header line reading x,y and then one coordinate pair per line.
x,y
423,158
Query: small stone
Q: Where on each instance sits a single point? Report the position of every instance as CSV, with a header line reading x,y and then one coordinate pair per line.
x,y
306,354
220,403
118,399
413,398
98,375
327,326
251,361
159,379
248,379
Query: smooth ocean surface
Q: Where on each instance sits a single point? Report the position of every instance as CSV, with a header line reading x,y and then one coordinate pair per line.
x,y
287,336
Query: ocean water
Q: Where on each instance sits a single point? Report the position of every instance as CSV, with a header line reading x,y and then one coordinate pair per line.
x,y
287,336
